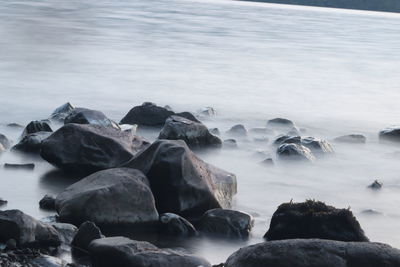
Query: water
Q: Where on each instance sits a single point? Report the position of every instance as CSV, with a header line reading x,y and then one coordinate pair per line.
x,y
332,71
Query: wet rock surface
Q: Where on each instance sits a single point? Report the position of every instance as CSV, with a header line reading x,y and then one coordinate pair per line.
x,y
175,226
89,116
148,114
390,134
14,166
48,202
31,143
294,152
35,127
60,113
86,233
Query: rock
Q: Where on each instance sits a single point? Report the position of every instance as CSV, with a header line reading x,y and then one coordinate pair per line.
x,y
66,231
314,219
181,182
376,185
352,139
294,131
148,114
215,131
60,113
261,130
390,134
27,166
94,147
208,111
280,122
188,116
35,127
89,116
4,141
87,232
124,252
48,261
316,145
295,152
371,212
113,197
287,139
315,253
31,143
226,223
48,202
11,244
14,125
261,139
3,202
175,226
238,130
230,143
268,162
196,135
27,231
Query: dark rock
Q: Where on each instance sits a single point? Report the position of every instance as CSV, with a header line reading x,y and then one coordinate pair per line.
x,y
88,148
390,134
27,231
237,130
316,145
226,223
5,141
60,113
295,152
11,244
87,232
376,185
28,166
188,116
3,202
113,197
215,131
175,226
268,162
352,139
48,202
230,143
314,219
196,135
148,114
66,231
14,125
35,127
181,182
124,252
315,253
208,111
31,143
280,122
371,212
287,139
89,116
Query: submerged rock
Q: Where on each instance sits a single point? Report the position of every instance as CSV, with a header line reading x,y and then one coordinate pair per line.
x,y
148,114
4,141
226,223
60,113
66,232
351,139
3,202
195,134
124,252
26,231
317,145
230,143
14,125
88,148
376,185
89,116
188,116
35,127
238,130
181,182
27,166
215,131
86,233
113,197
314,219
208,111
315,253
31,143
268,162
176,226
295,152
48,202
280,122
390,134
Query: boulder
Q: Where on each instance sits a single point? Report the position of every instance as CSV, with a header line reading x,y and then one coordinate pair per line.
x,y
195,134
314,219
89,116
226,223
31,143
113,197
148,114
124,252
48,202
181,182
390,134
87,232
4,141
315,253
89,148
280,122
35,127
316,145
174,225
294,152
66,231
351,139
60,113
26,231
187,115
237,130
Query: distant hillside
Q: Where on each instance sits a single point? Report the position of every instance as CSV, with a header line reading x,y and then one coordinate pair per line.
x,y
375,5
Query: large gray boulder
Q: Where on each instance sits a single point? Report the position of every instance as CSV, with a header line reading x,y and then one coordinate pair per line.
x,y
314,219
148,114
26,231
124,252
294,152
195,134
113,197
31,143
317,146
89,148
89,116
35,127
315,253
181,182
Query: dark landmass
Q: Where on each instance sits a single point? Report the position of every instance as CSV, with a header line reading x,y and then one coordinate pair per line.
x,y
373,5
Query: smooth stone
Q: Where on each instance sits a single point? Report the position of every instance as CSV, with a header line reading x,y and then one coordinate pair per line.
x,y
314,219
187,115
268,162
35,127
48,202
31,143
89,116
87,232
317,145
148,114
60,113
237,130
280,122
351,139
14,125
3,202
390,134
27,166
176,226
230,143
294,152
4,141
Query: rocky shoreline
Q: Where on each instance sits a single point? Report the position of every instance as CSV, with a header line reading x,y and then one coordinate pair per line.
x,y
131,185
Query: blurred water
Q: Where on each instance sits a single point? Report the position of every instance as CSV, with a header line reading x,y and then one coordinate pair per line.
x,y
332,71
